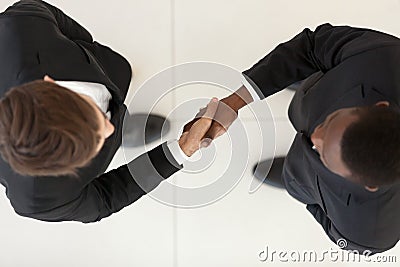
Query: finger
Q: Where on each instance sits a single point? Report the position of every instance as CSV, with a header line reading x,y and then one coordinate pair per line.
x,y
214,128
200,127
209,136
213,133
216,132
199,114
189,125
221,132
205,142
211,109
225,115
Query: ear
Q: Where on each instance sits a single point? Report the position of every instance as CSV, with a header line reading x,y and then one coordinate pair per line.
x,y
48,79
382,103
372,189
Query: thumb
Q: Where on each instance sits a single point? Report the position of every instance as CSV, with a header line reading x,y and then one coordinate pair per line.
x,y
211,109
200,127
205,142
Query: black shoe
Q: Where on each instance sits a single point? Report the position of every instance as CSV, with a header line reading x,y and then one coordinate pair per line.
x,y
274,176
135,134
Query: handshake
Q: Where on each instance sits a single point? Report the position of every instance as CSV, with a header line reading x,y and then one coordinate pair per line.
x,y
212,121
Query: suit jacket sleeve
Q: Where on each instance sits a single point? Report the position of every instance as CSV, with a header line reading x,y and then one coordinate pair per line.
x,y
116,189
309,52
69,27
336,236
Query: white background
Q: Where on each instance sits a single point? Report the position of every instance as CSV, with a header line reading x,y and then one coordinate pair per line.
x,y
156,34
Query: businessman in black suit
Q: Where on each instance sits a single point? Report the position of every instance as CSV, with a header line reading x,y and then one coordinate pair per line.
x,y
344,163
58,135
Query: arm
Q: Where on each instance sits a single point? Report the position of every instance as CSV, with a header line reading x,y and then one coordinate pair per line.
x,y
119,188
309,52
116,189
69,27
295,60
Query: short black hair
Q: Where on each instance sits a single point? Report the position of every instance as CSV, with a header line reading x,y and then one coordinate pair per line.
x,y
370,146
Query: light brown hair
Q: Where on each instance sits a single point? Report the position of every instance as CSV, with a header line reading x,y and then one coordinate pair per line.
x,y
47,130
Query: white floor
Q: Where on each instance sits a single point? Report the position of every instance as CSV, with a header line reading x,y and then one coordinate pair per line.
x,y
154,35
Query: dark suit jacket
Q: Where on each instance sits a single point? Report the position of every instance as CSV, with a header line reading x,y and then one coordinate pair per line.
x,y
345,67
37,39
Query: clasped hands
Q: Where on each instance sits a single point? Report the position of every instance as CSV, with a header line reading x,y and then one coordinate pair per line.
x,y
209,123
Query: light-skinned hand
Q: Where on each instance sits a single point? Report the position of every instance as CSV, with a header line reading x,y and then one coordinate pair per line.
x,y
192,139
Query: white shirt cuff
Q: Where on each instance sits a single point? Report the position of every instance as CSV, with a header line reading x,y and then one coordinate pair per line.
x,y
177,152
250,88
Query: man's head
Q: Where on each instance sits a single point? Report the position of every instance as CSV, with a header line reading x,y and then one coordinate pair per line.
x,y
361,144
46,129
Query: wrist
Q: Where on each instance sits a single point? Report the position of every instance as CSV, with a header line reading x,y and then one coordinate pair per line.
x,y
234,101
